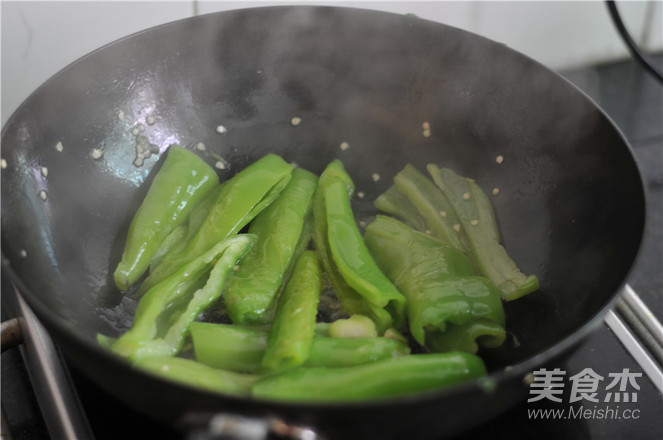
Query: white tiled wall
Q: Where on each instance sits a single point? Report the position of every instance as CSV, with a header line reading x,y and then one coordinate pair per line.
x,y
40,38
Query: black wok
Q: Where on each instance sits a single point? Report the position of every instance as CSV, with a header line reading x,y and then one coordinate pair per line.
x,y
571,202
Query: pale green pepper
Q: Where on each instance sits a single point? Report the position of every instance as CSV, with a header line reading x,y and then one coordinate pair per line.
x,y
477,219
344,243
242,348
449,307
145,337
238,202
181,183
382,379
282,234
198,375
292,332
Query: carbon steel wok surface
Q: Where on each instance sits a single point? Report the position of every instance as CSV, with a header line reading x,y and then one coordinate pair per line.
x,y
570,208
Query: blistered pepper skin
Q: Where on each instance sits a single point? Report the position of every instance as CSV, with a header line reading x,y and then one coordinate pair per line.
x,y
477,219
181,183
445,297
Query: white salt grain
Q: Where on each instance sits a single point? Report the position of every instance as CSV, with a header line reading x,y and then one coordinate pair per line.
x,y
344,146
499,159
96,153
3,164
295,121
376,177
44,171
42,194
59,146
221,129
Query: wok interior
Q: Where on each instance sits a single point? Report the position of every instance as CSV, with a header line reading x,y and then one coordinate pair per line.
x,y
570,206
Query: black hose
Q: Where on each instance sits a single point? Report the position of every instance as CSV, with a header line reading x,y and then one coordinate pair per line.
x,y
632,46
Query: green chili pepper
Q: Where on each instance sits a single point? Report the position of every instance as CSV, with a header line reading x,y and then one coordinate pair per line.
x,y
182,182
177,239
385,378
345,352
477,218
198,375
291,334
348,251
146,338
238,202
449,307
351,301
172,241
395,203
242,348
280,228
431,205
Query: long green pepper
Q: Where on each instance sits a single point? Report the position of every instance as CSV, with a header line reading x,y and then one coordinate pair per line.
x,y
242,348
280,228
292,332
449,307
351,301
198,375
347,248
145,338
385,378
477,218
431,205
395,203
181,183
238,202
